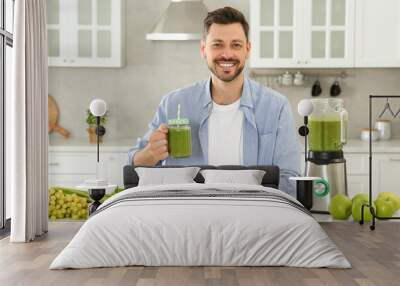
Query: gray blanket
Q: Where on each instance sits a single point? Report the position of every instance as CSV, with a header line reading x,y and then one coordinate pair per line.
x,y
204,194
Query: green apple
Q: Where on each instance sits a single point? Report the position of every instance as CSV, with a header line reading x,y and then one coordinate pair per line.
x,y
340,207
356,210
385,207
360,196
391,196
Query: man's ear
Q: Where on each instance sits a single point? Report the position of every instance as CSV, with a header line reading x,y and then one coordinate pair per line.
x,y
203,48
248,48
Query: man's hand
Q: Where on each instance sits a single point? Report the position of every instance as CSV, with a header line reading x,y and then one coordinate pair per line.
x,y
156,150
158,143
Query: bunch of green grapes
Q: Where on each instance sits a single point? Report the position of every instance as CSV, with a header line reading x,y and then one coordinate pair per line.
x,y
67,204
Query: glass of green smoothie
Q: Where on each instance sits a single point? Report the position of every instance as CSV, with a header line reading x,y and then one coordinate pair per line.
x,y
179,137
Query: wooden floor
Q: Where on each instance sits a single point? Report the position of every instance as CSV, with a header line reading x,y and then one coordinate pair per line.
x,y
374,255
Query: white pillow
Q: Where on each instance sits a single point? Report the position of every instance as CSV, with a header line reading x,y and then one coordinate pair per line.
x,y
163,176
249,177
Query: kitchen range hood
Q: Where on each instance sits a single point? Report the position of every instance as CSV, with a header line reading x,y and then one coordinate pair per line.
x,y
182,21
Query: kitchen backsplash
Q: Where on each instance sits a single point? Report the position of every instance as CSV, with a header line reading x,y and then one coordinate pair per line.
x,y
155,68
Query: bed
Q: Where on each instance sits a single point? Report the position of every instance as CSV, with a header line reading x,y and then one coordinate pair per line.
x,y
201,224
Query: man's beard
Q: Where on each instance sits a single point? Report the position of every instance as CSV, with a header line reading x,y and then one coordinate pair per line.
x,y
221,75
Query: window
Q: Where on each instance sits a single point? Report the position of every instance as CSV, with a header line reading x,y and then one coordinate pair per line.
x,y
6,44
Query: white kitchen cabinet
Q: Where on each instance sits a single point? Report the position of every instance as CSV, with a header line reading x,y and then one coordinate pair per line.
x,y
72,163
85,33
357,173
72,168
387,168
115,163
68,180
385,173
302,33
357,184
357,164
276,30
377,40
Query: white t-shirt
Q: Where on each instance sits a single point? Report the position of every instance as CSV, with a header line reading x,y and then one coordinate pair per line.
x,y
225,135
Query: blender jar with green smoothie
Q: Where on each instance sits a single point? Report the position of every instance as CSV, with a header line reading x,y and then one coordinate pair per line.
x,y
179,137
327,125
325,159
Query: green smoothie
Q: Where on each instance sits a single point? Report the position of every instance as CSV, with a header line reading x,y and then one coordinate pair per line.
x,y
325,135
179,136
179,141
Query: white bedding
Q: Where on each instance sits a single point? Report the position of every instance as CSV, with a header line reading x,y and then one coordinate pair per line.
x,y
183,231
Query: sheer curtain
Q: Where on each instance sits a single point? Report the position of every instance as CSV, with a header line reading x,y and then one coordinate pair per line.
x,y
26,123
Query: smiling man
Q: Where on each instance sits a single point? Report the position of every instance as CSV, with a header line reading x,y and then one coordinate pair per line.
x,y
234,120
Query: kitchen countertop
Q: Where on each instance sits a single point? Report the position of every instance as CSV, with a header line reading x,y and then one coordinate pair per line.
x,y
358,146
124,144
83,145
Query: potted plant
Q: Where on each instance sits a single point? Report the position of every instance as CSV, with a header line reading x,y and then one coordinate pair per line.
x,y
91,121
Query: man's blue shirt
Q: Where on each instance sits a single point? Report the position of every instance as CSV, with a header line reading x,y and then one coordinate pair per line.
x,y
269,136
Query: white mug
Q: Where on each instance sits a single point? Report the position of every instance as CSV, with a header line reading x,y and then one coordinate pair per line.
x,y
298,78
287,79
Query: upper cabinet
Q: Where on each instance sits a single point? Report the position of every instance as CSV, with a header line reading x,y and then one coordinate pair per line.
x,y
302,33
276,30
329,33
377,33
85,33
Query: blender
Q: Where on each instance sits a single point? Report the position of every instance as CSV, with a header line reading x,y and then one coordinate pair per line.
x,y
327,134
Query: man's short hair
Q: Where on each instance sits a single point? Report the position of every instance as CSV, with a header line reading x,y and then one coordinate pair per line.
x,y
226,15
